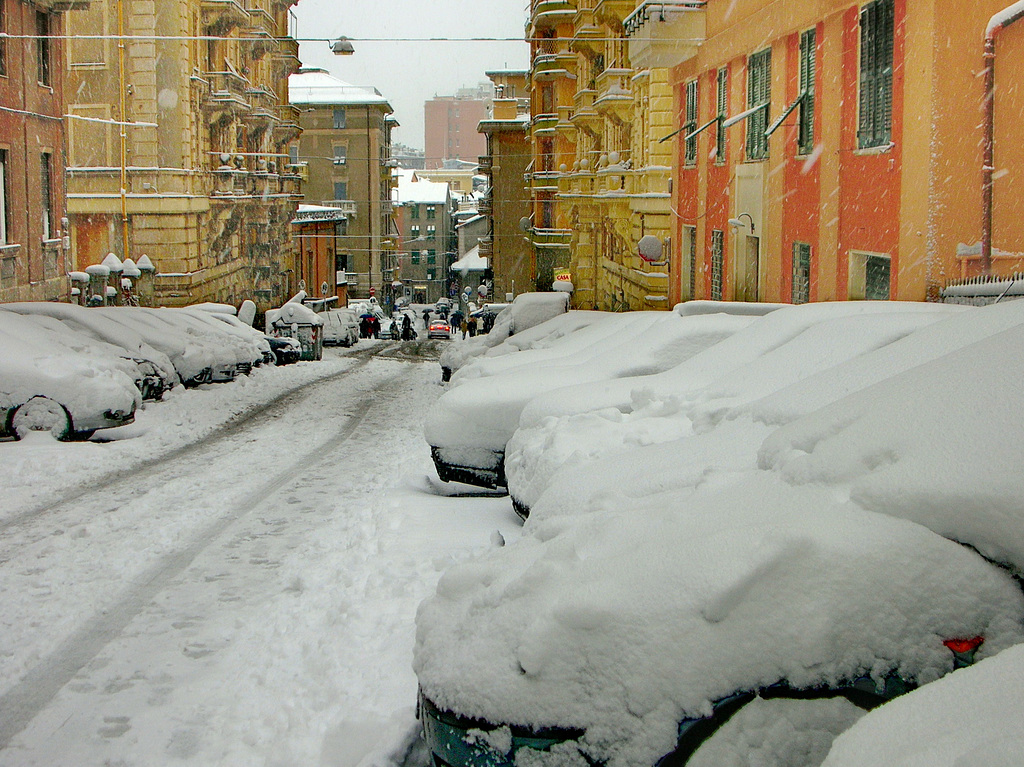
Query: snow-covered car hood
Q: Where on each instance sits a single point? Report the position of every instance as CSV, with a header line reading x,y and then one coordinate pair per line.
x,y
624,623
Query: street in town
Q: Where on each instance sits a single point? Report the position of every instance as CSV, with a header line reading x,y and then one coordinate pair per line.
x,y
234,578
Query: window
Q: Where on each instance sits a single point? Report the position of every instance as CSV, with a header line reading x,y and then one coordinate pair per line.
x,y
691,237
414,212
690,126
414,256
801,272
431,275
759,88
431,211
43,47
431,232
340,190
805,125
876,43
46,191
340,154
717,250
339,118
3,198
431,256
293,154
870,276
723,109
414,231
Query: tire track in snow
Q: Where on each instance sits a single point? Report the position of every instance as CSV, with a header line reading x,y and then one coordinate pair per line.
x,y
26,699
152,472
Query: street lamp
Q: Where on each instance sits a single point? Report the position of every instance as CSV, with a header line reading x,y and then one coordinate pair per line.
x,y
342,47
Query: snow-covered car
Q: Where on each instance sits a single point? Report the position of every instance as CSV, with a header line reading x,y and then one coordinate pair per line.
x,y
286,350
341,327
561,433
192,360
439,328
695,624
526,311
469,426
47,384
970,717
226,315
154,372
631,632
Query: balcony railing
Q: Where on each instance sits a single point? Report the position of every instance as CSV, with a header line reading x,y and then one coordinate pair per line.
x,y
585,116
665,33
227,93
614,93
550,13
545,124
223,16
348,207
551,66
552,238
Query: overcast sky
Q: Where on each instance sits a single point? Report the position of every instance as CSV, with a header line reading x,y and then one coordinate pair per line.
x,y
410,73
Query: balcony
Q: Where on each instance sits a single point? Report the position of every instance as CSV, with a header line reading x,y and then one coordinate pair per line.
x,y
286,58
223,16
667,33
60,6
551,13
588,37
614,94
485,207
552,238
227,94
585,116
613,12
230,176
258,42
544,125
287,128
348,207
485,163
486,247
564,127
552,66
261,17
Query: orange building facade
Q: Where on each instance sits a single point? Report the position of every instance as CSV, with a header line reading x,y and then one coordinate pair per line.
x,y
833,150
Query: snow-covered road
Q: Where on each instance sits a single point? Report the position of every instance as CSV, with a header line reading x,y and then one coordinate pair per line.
x,y
234,580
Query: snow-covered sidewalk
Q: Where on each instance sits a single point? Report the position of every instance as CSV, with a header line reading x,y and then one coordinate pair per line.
x,y
246,602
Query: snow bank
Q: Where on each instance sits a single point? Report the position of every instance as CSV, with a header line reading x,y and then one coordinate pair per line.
x,y
624,624
971,717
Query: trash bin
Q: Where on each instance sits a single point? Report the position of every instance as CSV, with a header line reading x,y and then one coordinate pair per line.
x,y
296,321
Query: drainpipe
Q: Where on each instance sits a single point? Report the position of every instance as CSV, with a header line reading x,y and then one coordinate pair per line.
x,y
996,24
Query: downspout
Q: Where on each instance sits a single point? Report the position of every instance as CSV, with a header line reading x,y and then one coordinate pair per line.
x,y
996,24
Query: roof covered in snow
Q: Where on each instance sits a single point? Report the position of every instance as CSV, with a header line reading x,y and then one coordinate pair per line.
x,y
316,86
413,189
471,262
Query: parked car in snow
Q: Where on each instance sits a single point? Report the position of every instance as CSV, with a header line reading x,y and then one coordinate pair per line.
x,y
341,327
568,429
669,633
286,350
227,315
192,361
760,606
46,385
439,328
469,426
526,311
155,372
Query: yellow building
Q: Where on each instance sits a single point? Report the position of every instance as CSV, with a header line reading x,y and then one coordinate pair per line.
x,y
179,147
600,177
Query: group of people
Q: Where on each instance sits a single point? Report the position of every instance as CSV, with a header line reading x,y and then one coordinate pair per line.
x,y
369,326
466,324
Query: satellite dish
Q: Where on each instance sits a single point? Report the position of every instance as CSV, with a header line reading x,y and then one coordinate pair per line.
x,y
525,224
650,248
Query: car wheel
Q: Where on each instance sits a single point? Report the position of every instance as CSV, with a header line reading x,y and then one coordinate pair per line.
x,y
41,414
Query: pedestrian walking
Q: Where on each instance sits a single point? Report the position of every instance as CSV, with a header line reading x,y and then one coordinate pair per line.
x,y
375,326
471,325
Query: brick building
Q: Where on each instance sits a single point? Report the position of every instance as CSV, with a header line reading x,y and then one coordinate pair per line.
x,y
33,258
450,128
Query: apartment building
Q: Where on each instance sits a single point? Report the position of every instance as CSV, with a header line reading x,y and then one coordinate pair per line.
x,y
423,215
33,249
506,201
450,126
345,156
832,150
600,174
179,144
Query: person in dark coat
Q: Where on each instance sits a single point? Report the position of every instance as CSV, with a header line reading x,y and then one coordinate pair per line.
x,y
364,327
407,332
426,319
471,325
375,326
